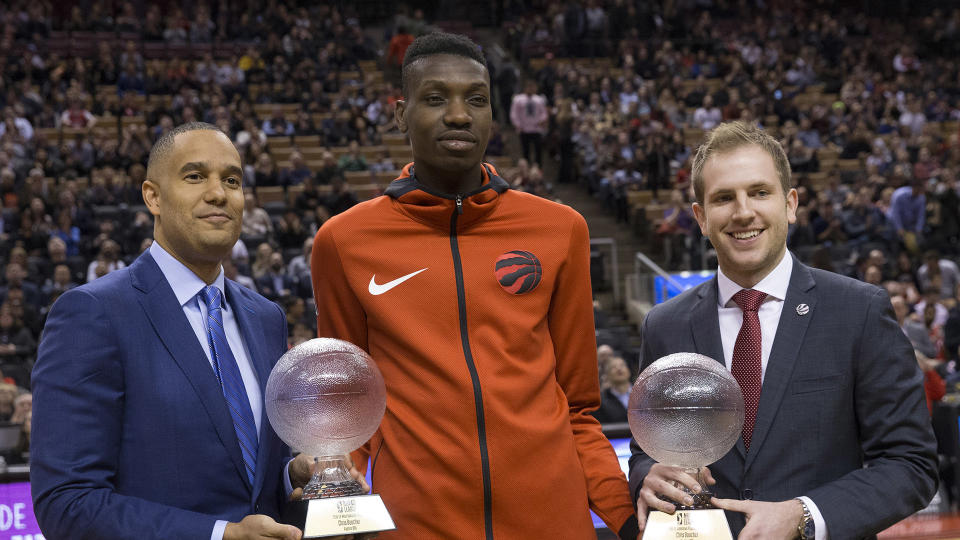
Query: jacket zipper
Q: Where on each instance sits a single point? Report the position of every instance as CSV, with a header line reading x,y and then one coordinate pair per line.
x,y
468,355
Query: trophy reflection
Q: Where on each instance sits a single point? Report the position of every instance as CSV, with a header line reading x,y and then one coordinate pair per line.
x,y
325,398
686,410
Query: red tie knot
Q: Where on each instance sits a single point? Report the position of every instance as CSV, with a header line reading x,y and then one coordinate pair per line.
x,y
749,299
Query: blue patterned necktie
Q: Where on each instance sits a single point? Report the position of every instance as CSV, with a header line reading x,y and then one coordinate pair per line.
x,y
228,373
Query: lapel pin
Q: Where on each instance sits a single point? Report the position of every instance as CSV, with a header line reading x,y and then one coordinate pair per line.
x,y
803,309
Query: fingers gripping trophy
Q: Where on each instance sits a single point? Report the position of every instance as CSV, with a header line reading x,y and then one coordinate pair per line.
x,y
326,397
686,410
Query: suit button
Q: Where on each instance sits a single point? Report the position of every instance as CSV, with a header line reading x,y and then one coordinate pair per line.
x,y
256,508
747,494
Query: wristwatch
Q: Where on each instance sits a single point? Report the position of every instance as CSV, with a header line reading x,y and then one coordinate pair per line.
x,y
806,528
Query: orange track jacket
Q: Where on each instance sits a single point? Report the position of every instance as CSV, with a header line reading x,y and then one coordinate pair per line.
x,y
478,311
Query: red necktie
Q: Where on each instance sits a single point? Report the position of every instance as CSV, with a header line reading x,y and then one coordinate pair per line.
x,y
746,367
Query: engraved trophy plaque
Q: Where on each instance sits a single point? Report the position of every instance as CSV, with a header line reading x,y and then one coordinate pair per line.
x,y
325,398
686,410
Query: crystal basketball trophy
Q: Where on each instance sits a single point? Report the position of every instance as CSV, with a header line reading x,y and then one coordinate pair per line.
x,y
325,398
686,410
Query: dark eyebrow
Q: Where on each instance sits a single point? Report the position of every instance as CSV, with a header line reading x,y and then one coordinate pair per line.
x,y
444,84
204,166
233,170
194,166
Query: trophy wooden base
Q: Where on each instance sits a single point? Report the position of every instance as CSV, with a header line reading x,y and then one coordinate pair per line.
x,y
335,516
687,525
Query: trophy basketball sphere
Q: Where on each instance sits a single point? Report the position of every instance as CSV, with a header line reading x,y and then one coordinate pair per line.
x,y
325,398
686,410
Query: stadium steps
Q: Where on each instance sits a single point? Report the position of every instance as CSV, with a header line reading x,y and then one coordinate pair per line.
x,y
603,225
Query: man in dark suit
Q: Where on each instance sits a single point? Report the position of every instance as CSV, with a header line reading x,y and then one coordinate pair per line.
x,y
276,283
837,439
148,410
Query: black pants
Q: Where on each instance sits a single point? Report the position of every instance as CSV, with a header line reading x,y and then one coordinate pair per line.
x,y
536,140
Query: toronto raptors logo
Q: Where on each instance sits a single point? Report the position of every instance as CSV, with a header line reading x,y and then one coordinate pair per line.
x,y
518,272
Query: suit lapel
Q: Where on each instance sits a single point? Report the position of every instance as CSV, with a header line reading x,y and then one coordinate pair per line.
x,y
171,325
705,327
253,336
705,323
783,356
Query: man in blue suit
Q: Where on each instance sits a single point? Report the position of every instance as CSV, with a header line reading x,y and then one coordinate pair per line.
x,y
148,387
837,441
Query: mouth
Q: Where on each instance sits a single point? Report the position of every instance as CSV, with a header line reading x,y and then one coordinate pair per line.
x,y
746,235
217,217
457,141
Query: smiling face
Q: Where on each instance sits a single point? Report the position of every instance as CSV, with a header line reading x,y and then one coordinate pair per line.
x,y
197,199
745,212
447,115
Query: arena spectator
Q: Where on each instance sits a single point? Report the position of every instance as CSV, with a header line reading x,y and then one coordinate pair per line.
x,y
384,163
675,230
907,214
277,124
274,282
8,393
290,232
353,160
615,397
297,172
231,271
60,282
265,171
16,124
299,266
340,198
77,116
708,116
938,273
256,222
16,280
395,51
108,260
17,345
529,115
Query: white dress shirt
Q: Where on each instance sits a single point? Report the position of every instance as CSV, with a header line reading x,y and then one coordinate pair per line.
x,y
775,285
186,285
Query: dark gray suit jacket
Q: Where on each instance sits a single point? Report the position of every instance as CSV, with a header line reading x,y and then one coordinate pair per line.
x,y
842,417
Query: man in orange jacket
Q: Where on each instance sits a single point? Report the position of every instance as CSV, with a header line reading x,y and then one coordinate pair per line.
x,y
475,302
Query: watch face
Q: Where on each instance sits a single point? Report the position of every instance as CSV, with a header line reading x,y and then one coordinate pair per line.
x,y
809,529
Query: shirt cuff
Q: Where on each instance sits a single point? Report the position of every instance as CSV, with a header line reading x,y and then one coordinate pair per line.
x,y
287,485
218,529
820,527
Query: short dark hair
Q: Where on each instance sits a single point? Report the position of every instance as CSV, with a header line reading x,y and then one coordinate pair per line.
x,y
164,144
438,43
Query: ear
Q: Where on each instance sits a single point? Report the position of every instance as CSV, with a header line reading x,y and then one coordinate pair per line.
x,y
151,196
701,215
400,115
792,202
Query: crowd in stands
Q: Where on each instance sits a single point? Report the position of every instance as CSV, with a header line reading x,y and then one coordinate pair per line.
x,y
612,94
866,109
84,94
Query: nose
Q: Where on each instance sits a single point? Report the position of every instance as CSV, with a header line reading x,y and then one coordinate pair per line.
x,y
215,193
457,113
744,210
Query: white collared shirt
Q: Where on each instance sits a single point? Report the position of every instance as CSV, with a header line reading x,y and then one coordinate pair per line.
x,y
775,284
186,285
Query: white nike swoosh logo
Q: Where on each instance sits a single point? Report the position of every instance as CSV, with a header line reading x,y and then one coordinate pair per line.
x,y
380,289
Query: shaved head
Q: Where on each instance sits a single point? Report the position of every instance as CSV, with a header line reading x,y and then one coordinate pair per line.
x,y
162,148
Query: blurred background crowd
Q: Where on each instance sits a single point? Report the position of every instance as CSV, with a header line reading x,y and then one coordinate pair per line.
x,y
609,96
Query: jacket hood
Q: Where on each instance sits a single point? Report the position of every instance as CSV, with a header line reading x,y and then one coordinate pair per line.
x,y
436,208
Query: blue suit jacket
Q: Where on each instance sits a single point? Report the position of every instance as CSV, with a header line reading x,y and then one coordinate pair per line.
x,y
842,390
131,433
